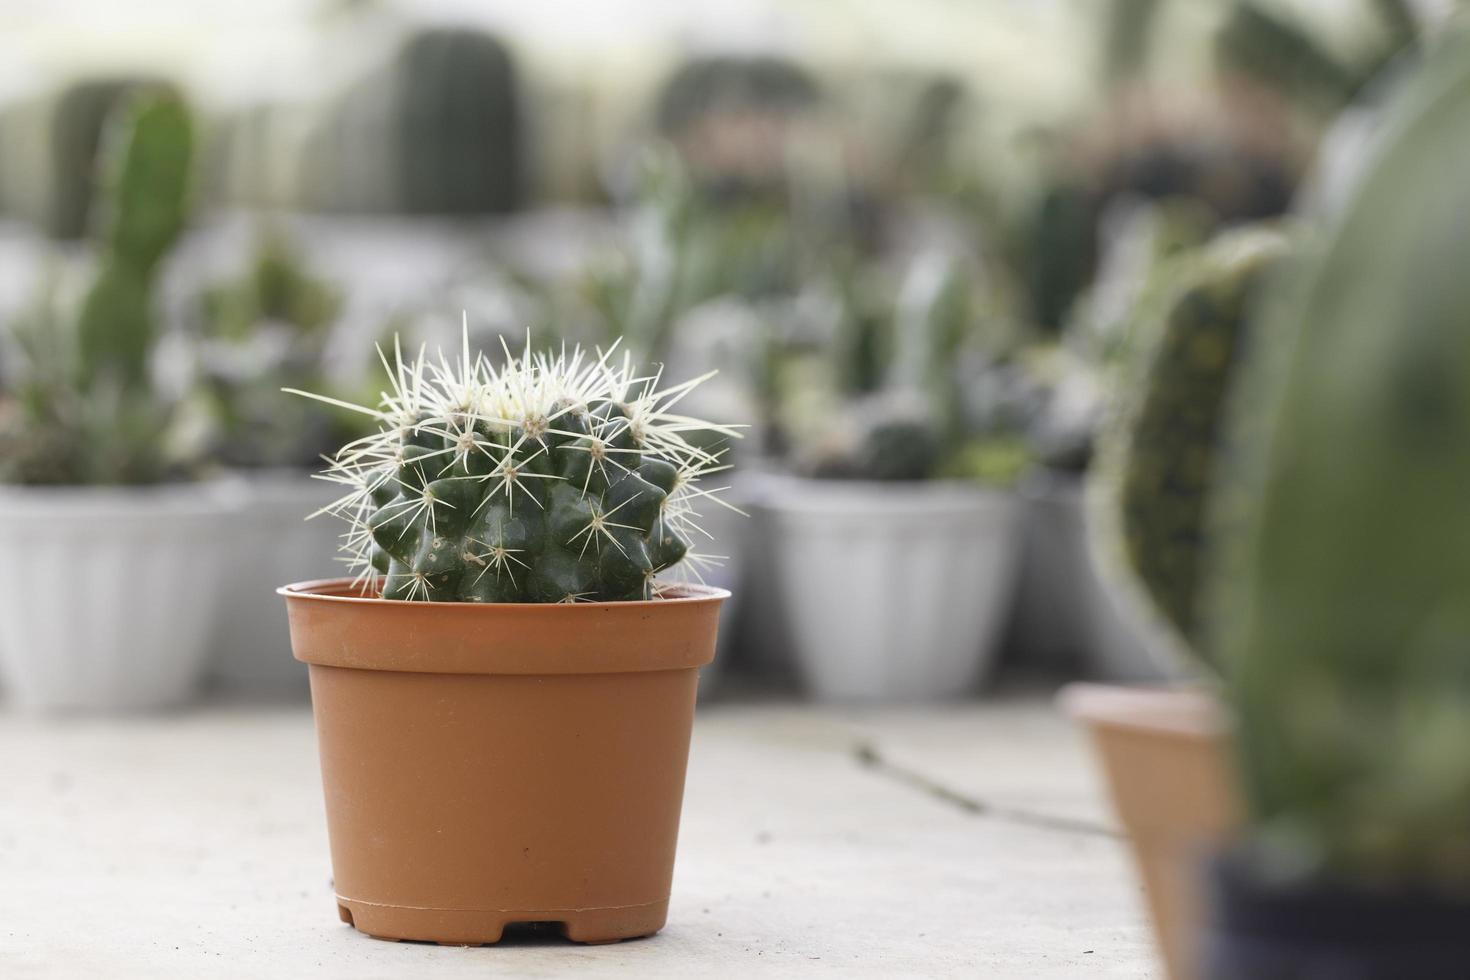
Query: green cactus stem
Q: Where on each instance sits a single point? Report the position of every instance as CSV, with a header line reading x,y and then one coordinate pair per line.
x,y
149,204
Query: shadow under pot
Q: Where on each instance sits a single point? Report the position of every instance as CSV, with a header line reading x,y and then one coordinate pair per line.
x,y
502,763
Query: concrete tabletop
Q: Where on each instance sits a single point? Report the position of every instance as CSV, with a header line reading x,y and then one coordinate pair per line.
x,y
964,841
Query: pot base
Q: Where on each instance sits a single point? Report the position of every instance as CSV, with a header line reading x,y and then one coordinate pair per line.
x,y
477,927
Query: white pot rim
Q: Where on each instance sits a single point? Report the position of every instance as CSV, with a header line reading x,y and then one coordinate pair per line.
x,y
206,498
801,495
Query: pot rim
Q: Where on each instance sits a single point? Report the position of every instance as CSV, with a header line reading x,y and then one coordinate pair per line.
x,y
179,499
355,631
330,589
898,498
1186,712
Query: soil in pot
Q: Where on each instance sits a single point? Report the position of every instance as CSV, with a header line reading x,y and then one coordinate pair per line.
x,y
1166,759
1261,929
502,763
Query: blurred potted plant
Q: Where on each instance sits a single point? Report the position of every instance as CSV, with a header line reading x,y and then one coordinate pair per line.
x,y
508,658
1065,614
110,597
266,330
1165,752
1340,614
893,561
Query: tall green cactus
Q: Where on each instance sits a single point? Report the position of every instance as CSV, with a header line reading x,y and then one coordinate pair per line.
x,y
1342,614
436,131
458,142
149,202
1164,456
77,125
84,411
541,480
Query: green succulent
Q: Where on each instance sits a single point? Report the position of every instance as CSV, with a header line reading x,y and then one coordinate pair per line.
x,y
541,479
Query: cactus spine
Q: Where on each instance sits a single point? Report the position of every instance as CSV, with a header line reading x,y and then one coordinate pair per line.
x,y
545,479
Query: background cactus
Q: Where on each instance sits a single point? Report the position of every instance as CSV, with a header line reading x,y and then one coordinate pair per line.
x,y
1165,455
1340,614
83,409
52,147
148,203
436,132
546,479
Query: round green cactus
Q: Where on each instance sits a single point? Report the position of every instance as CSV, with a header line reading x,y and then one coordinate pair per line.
x,y
546,479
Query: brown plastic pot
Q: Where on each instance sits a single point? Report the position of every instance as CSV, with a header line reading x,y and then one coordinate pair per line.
x,y
490,764
1167,757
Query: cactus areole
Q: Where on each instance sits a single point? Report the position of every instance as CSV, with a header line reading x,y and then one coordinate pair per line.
x,y
541,478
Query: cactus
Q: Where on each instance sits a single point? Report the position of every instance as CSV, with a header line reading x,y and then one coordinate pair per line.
x,y
76,127
1163,459
1340,611
149,203
546,479
438,131
84,411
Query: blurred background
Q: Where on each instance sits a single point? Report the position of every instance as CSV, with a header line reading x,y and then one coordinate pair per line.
x,y
915,240
1034,313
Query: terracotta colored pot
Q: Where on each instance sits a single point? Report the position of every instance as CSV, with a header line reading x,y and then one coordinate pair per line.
x,y
1167,758
490,764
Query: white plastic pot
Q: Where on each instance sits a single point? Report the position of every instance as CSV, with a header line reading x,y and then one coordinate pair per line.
x,y
108,595
893,592
271,543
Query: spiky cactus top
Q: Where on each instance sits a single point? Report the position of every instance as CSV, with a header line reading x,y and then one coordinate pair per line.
x,y
545,479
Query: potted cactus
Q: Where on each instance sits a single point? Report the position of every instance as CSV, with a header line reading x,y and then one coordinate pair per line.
x,y
112,606
513,658
1339,610
891,557
1165,752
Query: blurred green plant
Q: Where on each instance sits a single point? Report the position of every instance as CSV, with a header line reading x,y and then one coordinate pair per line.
x,y
51,149
1164,457
437,130
1340,609
888,399
83,408
267,329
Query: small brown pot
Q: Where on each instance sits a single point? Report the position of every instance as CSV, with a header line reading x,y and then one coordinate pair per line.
x,y
1167,758
490,764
